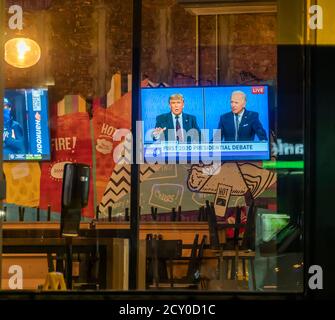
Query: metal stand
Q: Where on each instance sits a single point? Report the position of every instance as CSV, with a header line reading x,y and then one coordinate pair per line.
x,y
68,268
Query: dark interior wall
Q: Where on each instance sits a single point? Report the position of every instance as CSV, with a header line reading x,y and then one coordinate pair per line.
x,y
118,35
157,44
207,50
85,42
320,166
67,34
168,48
73,38
247,48
253,47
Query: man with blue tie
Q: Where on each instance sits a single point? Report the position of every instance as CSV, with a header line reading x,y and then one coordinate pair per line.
x,y
176,125
241,124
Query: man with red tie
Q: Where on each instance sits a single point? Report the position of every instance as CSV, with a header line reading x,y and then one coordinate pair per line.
x,y
176,125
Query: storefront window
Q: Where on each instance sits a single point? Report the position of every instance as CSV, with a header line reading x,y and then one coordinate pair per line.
x,y
63,67
221,167
225,224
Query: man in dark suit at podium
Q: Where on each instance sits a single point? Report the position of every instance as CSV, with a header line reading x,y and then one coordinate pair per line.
x,y
176,125
240,124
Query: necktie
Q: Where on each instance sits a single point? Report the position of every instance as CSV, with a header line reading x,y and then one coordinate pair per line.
x,y
236,127
179,134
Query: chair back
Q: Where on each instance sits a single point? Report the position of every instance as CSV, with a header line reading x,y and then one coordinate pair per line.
x,y
249,238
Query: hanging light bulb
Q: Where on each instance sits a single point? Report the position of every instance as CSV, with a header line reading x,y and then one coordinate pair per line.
x,y
22,52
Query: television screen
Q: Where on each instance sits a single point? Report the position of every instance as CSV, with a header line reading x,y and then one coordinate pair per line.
x,y
205,123
26,125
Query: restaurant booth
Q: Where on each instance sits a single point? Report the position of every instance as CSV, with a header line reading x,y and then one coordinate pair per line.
x,y
154,147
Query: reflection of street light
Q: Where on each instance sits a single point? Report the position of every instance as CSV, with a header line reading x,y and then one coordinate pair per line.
x,y
22,52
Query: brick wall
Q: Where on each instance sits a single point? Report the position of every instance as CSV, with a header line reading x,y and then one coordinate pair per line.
x,y
80,52
72,39
247,48
168,50
119,36
253,48
207,50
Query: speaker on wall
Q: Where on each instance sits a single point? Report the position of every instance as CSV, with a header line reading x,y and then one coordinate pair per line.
x,y
75,191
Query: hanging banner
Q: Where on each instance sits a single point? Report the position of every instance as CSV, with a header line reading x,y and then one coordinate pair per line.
x,y
71,103
22,183
106,121
71,142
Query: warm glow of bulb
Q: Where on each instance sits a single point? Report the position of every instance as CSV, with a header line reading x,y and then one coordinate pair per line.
x,y
22,52
22,49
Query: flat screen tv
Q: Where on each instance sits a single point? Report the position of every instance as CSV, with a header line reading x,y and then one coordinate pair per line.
x,y
225,123
26,134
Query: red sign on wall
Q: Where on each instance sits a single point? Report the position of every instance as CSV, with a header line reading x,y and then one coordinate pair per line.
x,y
71,142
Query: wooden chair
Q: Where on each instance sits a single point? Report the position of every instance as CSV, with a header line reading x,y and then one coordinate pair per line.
x,y
158,253
235,249
163,254
193,276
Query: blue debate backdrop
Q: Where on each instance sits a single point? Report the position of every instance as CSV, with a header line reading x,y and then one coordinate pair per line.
x,y
207,104
155,101
217,102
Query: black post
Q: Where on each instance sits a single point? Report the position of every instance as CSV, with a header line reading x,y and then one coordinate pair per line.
x,y
126,215
135,116
49,213
212,226
109,214
179,214
21,214
200,214
38,218
97,213
68,270
153,214
173,214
